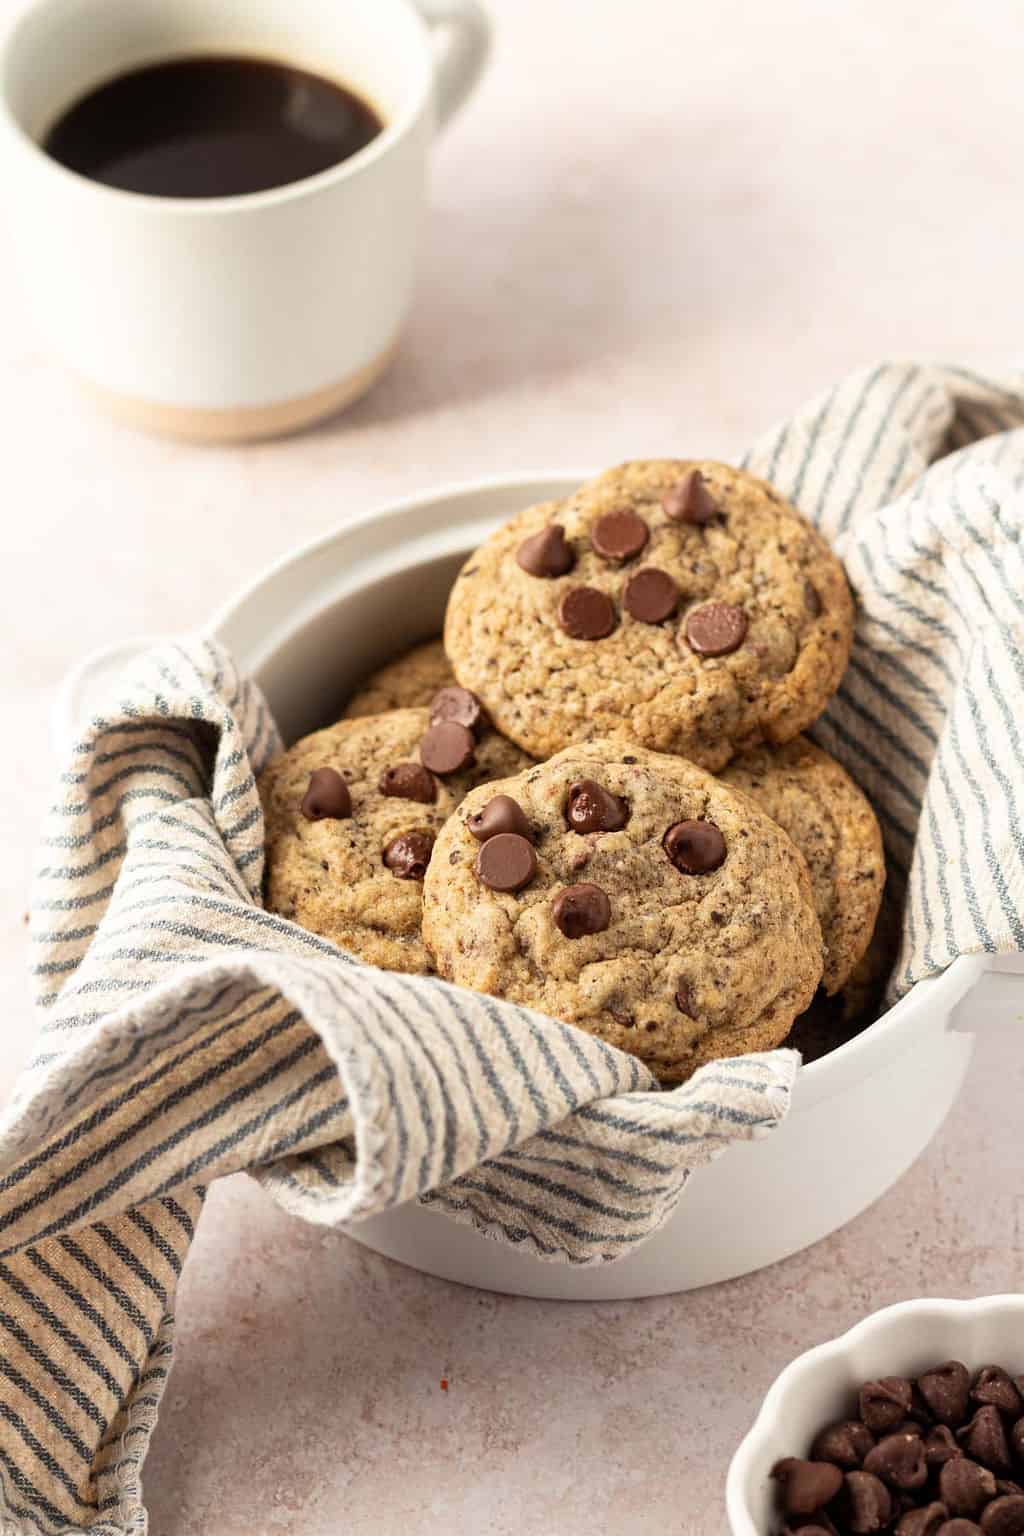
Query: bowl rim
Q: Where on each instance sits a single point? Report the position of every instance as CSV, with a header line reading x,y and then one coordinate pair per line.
x,y
741,1521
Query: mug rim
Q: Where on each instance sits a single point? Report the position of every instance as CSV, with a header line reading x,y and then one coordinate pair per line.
x,y
393,131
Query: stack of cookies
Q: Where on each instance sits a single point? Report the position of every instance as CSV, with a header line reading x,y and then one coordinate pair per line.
x,y
594,798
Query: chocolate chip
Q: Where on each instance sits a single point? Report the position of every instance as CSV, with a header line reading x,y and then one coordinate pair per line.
x,y
846,1443
716,629
408,854
994,1387
650,596
506,862
965,1487
867,1503
689,500
958,1528
984,1438
586,614
447,747
695,847
818,1524
327,798
592,808
547,553
924,1521
619,535
945,1389
807,1486
885,1403
502,814
940,1446
1004,1517
899,1461
408,781
459,705
812,601
684,1002
581,909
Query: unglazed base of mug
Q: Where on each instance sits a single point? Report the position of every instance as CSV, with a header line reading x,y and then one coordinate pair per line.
x,y
241,424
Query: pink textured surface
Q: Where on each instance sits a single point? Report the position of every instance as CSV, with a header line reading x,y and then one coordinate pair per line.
x,y
659,227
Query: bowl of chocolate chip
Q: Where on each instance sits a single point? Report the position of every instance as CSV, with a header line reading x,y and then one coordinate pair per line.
x,y
911,1423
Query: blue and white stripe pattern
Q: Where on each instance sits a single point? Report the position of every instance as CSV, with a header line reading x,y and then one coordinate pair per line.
x,y
929,718
186,1033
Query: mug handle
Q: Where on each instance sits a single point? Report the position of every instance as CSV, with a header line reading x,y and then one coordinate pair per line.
x,y
463,52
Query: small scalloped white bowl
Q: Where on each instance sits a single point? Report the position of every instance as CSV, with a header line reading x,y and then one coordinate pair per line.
x,y
821,1385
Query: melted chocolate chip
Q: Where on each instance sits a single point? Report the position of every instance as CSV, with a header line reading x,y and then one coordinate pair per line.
x,y
458,705
446,747
650,596
502,814
547,553
592,808
327,798
408,781
506,862
689,500
812,599
684,1002
586,614
695,847
619,536
408,854
716,629
581,909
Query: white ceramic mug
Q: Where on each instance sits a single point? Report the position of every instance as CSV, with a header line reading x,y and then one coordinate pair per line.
x,y
229,318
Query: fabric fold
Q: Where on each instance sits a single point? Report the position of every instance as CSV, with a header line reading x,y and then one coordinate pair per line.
x,y
186,1033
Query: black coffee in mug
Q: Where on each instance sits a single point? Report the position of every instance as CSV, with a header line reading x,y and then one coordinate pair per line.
x,y
211,127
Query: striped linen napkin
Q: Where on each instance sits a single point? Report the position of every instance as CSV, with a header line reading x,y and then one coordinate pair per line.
x,y
185,1033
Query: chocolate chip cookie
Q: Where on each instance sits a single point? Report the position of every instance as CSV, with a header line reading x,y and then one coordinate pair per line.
x,y
818,804
351,817
679,604
631,894
408,682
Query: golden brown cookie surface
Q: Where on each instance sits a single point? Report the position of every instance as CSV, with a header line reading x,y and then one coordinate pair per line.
x,y
830,820
356,877
699,615
408,682
647,904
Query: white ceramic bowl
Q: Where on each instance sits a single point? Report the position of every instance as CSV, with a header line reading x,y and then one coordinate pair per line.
x,y
821,1386
309,630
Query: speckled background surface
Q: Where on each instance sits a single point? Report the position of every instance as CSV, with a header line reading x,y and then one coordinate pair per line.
x,y
658,227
